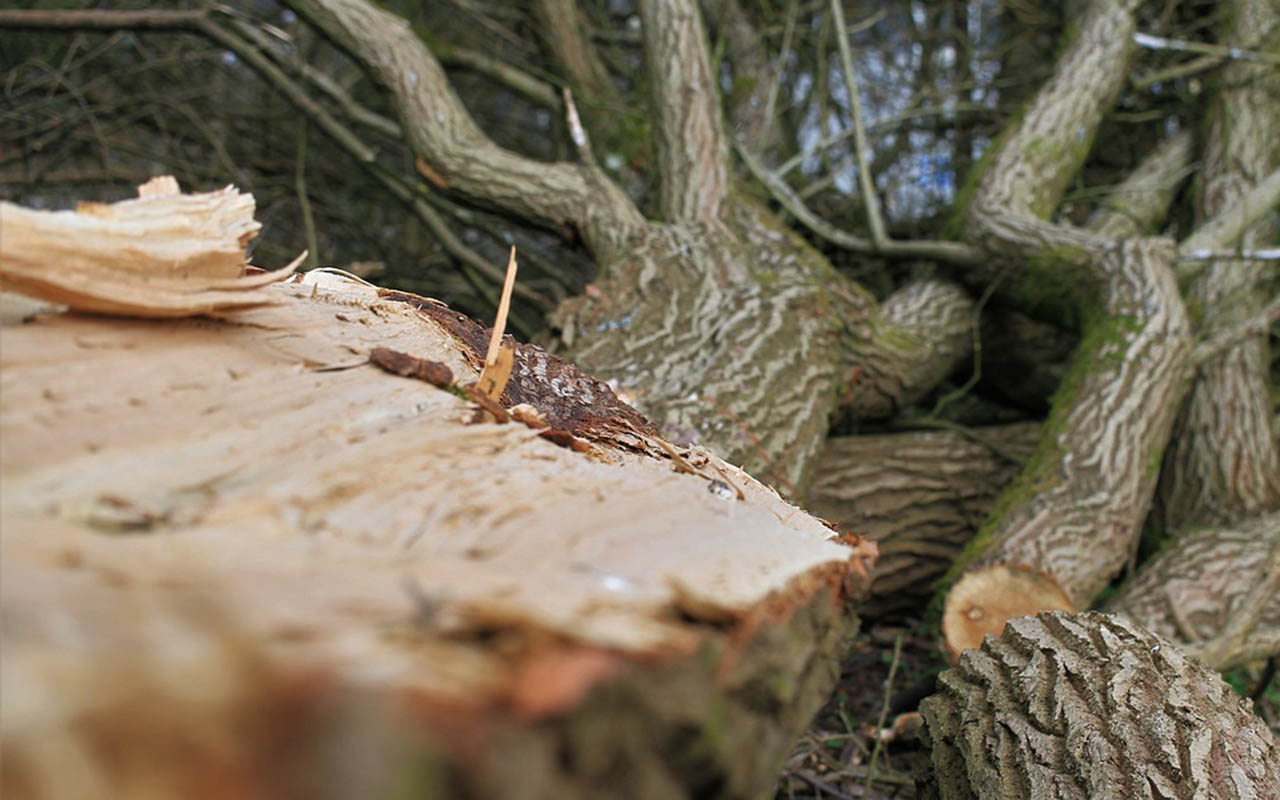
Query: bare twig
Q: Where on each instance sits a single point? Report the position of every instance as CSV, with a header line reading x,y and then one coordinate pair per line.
x,y
1269,254
865,182
884,714
956,253
1235,53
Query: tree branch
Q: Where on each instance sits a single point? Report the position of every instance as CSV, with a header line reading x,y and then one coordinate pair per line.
x,y
441,131
1229,225
866,183
1138,204
957,253
1229,338
688,125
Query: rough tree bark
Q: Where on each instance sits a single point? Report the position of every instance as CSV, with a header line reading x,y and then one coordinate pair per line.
x,y
1189,592
1092,706
1224,463
920,496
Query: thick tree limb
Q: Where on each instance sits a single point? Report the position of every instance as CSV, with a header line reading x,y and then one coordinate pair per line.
x,y
1073,514
921,496
922,333
1137,205
440,129
1208,578
687,117
565,31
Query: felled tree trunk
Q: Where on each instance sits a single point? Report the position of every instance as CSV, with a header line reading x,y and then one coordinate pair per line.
x,y
282,553
1091,706
920,496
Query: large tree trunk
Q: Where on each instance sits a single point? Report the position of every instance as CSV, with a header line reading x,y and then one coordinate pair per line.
x,y
1092,706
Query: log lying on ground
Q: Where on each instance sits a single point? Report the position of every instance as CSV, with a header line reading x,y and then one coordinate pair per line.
x,y
920,496
1189,593
240,559
1091,706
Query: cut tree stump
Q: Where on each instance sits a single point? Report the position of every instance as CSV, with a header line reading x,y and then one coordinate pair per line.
x,y
245,556
1091,706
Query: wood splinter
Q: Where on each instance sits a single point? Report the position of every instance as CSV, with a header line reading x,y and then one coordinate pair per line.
x,y
499,359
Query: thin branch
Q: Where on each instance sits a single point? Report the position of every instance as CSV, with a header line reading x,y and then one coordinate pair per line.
x,y
869,198
884,708
304,201
956,253
771,98
538,91
1222,51
1272,254
353,109
1229,338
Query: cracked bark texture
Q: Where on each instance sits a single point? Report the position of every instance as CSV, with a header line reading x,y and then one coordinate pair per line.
x,y
921,496
1075,511
1224,463
1188,592
1092,706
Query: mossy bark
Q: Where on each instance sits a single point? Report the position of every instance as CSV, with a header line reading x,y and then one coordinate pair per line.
x,y
1075,511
